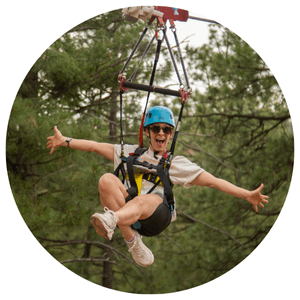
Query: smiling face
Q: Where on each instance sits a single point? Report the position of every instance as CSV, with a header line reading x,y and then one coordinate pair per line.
x,y
159,135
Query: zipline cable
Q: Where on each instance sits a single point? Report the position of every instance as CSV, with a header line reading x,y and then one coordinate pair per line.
x,y
203,19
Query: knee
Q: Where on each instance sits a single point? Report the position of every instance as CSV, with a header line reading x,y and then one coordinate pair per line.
x,y
106,181
140,202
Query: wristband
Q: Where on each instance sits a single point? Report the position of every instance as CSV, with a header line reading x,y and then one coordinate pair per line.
x,y
68,141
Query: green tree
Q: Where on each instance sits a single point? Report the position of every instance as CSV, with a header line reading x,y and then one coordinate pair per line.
x,y
74,84
238,129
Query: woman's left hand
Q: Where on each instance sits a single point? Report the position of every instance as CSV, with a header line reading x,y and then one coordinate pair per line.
x,y
256,198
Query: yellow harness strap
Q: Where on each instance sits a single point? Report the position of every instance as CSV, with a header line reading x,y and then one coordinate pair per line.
x,y
138,179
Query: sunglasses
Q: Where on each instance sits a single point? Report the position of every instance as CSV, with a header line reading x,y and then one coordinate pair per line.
x,y
166,130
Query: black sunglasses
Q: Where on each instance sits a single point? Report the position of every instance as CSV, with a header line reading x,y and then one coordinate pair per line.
x,y
156,129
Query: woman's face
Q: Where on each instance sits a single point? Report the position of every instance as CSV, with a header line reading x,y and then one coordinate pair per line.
x,y
159,135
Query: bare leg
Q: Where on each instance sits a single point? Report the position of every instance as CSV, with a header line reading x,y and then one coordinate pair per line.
x,y
140,208
113,194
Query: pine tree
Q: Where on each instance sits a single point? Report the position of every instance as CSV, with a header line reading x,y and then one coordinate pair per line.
x,y
238,129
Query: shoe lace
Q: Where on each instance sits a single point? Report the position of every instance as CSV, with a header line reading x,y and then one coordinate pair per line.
x,y
135,246
115,217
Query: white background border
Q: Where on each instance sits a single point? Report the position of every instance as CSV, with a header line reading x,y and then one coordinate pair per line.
x,y
29,27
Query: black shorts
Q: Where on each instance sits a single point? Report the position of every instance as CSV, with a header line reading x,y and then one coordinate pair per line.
x,y
156,223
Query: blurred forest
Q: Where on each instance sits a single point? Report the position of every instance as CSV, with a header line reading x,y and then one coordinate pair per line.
x,y
237,127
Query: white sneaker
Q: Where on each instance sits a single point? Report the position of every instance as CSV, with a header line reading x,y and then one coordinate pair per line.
x,y
142,255
105,223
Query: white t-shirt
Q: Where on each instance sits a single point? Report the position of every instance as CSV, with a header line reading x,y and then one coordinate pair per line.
x,y
182,171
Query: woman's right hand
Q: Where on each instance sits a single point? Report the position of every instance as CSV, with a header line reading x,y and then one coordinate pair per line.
x,y
55,141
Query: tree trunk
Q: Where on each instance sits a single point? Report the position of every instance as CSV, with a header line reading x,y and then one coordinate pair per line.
x,y
87,251
108,273
113,116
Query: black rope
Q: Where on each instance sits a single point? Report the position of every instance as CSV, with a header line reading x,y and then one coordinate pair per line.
x,y
172,57
150,88
181,58
121,124
172,150
158,47
159,42
121,166
142,58
134,49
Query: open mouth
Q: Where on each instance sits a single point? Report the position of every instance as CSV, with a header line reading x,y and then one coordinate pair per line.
x,y
159,142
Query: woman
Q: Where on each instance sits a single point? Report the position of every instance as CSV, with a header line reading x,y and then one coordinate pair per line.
x,y
146,214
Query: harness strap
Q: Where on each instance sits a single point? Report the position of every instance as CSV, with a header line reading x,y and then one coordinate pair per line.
x,y
121,169
162,176
154,186
166,182
140,151
151,177
133,191
158,47
176,133
133,186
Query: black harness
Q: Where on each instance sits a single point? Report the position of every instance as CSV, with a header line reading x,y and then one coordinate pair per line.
x,y
162,170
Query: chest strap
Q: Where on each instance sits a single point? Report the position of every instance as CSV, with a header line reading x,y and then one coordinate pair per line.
x,y
151,177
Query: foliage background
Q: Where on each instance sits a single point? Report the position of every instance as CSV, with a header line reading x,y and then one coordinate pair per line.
x,y
53,209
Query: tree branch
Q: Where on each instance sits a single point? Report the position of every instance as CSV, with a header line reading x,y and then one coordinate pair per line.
x,y
267,118
97,244
211,227
202,135
211,155
168,238
86,259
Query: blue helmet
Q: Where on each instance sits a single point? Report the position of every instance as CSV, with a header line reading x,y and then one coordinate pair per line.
x,y
159,114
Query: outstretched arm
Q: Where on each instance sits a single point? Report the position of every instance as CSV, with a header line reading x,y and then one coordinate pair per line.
x,y
253,197
58,140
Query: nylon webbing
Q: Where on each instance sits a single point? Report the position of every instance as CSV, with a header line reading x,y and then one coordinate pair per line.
x,y
172,150
158,47
166,183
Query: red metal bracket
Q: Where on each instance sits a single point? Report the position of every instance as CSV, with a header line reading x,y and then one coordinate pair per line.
x,y
122,79
173,13
160,22
151,20
172,23
165,155
184,95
